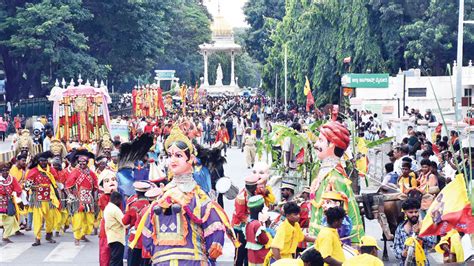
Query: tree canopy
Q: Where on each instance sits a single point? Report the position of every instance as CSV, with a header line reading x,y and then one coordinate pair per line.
x,y
378,35
115,40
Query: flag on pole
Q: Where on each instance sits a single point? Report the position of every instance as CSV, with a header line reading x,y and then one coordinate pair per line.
x,y
451,209
307,87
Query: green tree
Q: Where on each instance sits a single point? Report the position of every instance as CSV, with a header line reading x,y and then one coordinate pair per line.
x,y
262,15
38,41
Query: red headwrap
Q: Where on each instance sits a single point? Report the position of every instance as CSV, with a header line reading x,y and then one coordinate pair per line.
x,y
336,133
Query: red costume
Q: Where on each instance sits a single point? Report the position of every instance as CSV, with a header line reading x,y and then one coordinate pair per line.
x,y
7,187
134,100
241,211
40,185
104,250
132,216
84,183
257,238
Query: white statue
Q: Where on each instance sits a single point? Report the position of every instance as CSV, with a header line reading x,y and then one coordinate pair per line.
x,y
219,75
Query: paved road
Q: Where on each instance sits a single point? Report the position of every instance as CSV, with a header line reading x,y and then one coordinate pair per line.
x,y
65,253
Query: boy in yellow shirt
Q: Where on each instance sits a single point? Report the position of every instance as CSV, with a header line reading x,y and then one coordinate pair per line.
x,y
407,180
328,242
288,235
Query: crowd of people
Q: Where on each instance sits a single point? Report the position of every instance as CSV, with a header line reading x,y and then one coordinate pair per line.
x,y
155,199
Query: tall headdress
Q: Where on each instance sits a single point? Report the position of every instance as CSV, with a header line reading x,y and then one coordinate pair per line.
x,y
25,141
130,152
58,148
177,135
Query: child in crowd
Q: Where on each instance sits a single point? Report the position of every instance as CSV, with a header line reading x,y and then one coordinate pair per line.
x,y
255,233
407,180
328,242
288,235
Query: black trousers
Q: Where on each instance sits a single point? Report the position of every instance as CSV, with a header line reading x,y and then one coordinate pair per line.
x,y
240,258
116,253
135,257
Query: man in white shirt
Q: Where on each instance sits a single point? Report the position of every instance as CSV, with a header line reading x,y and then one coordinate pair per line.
x,y
390,131
47,141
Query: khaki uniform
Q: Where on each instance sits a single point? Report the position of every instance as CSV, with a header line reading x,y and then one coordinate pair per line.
x,y
250,149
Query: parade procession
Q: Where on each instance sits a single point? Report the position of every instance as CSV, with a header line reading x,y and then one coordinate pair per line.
x,y
244,133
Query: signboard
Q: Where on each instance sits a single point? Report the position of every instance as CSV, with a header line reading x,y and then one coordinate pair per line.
x,y
121,130
365,80
388,109
164,74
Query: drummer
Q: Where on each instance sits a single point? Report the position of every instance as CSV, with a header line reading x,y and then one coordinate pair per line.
x,y
241,212
287,193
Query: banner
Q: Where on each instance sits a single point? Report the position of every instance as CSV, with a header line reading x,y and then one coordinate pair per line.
x,y
451,209
121,130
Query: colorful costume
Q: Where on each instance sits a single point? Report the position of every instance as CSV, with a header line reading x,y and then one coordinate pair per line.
x,y
184,226
135,205
8,185
44,199
241,214
257,237
107,184
332,177
82,188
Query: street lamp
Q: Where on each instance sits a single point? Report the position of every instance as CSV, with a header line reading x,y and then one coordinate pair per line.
x,y
395,96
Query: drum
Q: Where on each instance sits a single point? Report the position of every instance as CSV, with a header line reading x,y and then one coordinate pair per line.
x,y
224,186
218,145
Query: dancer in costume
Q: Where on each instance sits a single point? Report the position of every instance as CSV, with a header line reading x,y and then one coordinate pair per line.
x,y
41,179
135,205
333,140
184,226
59,152
25,145
8,185
19,172
255,233
62,215
82,189
241,212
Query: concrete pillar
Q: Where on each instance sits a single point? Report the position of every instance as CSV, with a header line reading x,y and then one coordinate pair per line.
x,y
232,74
206,76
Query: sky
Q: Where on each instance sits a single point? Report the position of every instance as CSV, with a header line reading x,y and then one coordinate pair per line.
x,y
232,10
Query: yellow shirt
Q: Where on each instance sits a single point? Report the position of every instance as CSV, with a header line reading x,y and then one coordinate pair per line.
x,y
363,259
114,228
329,244
287,238
19,174
288,262
453,239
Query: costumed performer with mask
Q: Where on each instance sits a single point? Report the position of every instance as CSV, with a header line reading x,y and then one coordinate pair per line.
x,y
334,138
183,226
107,184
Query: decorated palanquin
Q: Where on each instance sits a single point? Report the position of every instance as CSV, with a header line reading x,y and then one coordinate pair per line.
x,y
147,101
81,112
